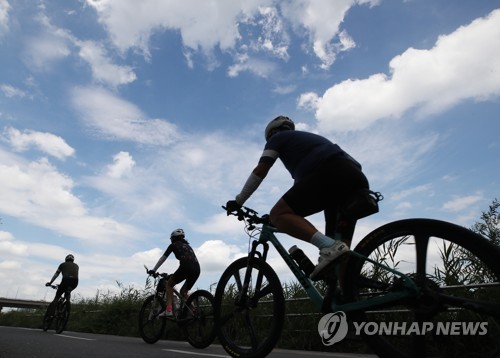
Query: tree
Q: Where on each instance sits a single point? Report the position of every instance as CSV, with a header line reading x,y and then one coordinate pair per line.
x,y
489,226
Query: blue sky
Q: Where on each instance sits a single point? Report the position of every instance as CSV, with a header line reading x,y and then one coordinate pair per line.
x,y
123,120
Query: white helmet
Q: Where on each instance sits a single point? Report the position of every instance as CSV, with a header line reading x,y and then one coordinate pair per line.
x,y
176,233
278,123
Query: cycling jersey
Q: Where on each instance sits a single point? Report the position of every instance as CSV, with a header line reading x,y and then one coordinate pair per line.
x,y
183,252
301,152
68,269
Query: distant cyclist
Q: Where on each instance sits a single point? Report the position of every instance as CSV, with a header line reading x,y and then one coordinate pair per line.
x,y
323,174
189,268
69,270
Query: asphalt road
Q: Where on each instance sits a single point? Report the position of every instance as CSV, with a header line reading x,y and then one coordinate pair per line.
x,y
34,343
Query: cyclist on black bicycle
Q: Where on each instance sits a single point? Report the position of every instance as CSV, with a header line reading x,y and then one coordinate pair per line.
x,y
69,282
189,268
324,176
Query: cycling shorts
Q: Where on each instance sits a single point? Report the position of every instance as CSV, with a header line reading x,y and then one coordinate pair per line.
x,y
67,283
190,273
326,187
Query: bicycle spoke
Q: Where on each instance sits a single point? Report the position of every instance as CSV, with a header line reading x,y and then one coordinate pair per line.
x,y
421,243
262,292
251,331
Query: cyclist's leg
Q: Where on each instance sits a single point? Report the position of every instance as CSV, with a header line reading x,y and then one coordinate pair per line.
x,y
191,279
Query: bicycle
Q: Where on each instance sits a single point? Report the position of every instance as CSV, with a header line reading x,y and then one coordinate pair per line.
x,y
369,285
60,313
193,316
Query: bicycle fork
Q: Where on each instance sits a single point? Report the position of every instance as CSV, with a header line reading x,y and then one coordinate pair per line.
x,y
243,300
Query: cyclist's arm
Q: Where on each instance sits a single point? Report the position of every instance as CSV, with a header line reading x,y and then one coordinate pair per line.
x,y
164,257
253,181
55,276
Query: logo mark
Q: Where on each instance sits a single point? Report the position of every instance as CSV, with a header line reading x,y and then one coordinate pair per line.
x,y
332,328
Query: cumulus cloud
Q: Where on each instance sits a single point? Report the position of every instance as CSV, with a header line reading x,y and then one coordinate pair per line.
x,y
35,192
123,163
46,142
114,118
231,26
202,25
461,66
322,20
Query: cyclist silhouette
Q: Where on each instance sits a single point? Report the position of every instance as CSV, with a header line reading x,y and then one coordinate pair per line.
x,y
324,177
189,268
69,282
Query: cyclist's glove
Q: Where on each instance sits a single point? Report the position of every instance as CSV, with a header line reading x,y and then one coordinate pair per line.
x,y
232,206
151,272
47,284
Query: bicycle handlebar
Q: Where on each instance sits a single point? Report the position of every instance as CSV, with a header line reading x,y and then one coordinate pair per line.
x,y
156,274
250,215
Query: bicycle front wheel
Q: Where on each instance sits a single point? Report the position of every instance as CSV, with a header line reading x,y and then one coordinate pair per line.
x,y
199,313
62,316
47,319
151,327
249,315
456,309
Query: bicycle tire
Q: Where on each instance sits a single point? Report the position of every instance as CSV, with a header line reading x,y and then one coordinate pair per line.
x,y
444,296
62,316
249,326
199,313
47,320
151,327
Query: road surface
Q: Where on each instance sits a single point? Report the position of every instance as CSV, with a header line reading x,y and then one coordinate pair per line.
x,y
18,342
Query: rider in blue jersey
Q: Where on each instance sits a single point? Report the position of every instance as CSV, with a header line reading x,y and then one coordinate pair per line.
x,y
324,176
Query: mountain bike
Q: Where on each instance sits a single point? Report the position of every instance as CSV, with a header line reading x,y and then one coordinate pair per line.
x,y
194,316
413,272
60,313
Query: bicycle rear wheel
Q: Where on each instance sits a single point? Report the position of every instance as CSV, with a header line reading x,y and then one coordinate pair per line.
x,y
151,327
249,319
199,314
457,310
62,316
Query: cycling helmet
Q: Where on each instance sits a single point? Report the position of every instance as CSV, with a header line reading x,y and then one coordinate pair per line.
x,y
176,233
69,258
278,123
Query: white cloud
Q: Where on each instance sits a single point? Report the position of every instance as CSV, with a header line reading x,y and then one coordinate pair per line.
x,y
115,118
216,255
36,193
461,203
204,26
322,20
4,16
53,44
103,70
461,66
257,66
11,91
123,163
46,142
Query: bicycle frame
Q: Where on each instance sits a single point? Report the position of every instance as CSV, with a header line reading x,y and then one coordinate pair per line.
x,y
267,235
